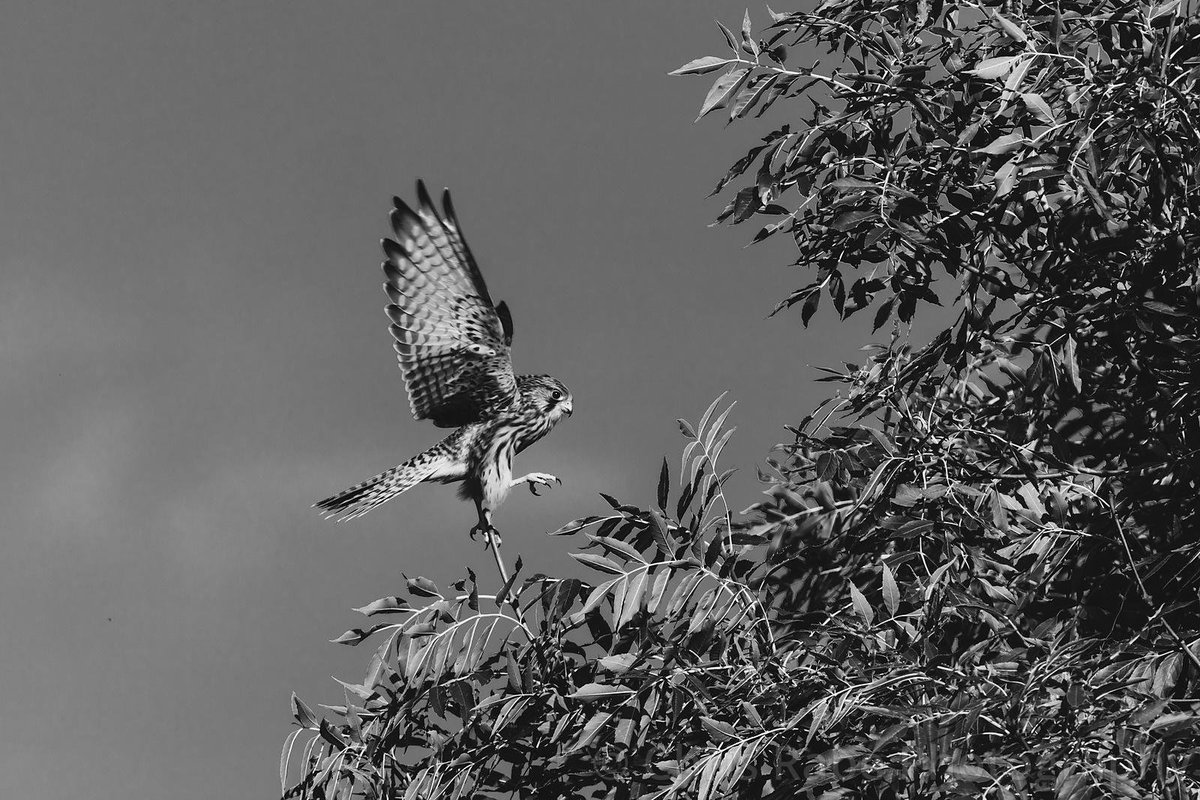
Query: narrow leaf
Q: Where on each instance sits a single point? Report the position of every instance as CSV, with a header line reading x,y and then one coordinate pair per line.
x,y
596,597
303,713
328,734
664,485
632,601
969,772
991,68
1005,144
285,757
1072,364
728,34
702,65
891,593
721,731
508,584
709,411
861,605
661,579
423,587
356,635
611,545
385,605
1010,28
749,96
881,316
590,730
598,562
618,663
600,691
575,525
747,40
716,428
722,89
1038,106
661,533
612,501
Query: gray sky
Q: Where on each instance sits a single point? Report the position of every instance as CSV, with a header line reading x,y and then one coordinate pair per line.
x,y
194,348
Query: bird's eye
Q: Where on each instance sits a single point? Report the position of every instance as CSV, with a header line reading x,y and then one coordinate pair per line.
x,y
556,395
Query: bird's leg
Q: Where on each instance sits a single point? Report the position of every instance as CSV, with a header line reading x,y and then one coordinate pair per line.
x,y
535,479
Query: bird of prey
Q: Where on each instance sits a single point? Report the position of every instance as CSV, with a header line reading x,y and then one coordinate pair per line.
x,y
453,347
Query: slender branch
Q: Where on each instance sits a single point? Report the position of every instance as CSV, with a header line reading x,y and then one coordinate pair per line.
x,y
493,544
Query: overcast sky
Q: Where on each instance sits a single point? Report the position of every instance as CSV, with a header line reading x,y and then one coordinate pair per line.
x,y
194,350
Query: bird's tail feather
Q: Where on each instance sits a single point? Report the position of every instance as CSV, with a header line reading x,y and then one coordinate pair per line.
x,y
358,500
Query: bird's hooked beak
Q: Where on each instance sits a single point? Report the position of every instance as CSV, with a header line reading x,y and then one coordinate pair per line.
x,y
567,408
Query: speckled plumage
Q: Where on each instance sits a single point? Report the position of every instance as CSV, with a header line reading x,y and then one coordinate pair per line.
x,y
453,348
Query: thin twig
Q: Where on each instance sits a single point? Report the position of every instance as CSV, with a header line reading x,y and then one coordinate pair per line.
x,y
493,544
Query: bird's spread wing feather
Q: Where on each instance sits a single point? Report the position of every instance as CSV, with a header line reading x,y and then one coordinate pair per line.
x,y
451,340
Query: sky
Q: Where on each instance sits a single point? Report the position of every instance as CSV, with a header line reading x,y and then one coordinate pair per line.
x,y
194,348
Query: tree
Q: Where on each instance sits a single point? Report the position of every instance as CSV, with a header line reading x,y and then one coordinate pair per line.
x,y
976,573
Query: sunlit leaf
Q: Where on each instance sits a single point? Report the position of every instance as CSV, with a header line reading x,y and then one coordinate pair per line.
x,y
356,635
422,587
1039,108
969,772
661,532
1005,144
703,65
385,605
575,526
722,90
750,95
598,562
748,43
992,68
721,731
600,691
891,593
618,663
1010,28
861,606
590,730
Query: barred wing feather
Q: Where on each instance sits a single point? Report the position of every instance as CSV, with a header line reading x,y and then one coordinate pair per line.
x,y
452,342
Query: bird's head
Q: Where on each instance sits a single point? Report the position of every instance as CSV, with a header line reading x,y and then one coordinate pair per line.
x,y
548,395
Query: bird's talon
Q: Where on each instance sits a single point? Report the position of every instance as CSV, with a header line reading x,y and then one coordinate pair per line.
x,y
489,534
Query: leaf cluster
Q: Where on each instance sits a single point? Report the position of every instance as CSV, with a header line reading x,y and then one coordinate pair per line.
x,y
974,571
569,688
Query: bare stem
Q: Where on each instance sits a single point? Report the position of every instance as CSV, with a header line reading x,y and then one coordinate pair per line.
x,y
493,544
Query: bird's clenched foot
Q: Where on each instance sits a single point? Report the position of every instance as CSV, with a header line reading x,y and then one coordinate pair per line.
x,y
491,536
536,479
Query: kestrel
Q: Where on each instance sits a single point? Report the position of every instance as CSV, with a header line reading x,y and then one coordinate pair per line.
x,y
453,347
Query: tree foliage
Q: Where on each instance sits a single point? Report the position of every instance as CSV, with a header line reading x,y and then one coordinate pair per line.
x,y
975,569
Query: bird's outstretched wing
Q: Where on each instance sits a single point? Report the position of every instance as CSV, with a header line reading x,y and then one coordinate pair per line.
x,y
451,340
